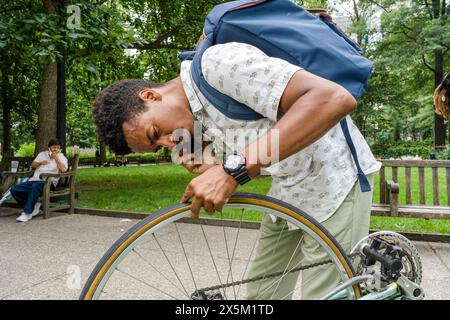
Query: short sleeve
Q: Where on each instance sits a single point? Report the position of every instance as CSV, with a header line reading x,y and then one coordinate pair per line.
x,y
63,160
248,75
41,157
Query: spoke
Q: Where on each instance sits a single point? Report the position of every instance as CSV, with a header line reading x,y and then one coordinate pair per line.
x,y
228,255
234,251
287,266
303,284
145,283
281,276
248,262
293,269
171,266
273,252
187,260
212,258
156,269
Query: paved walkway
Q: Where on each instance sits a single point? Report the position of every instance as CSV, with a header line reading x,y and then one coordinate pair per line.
x,y
40,259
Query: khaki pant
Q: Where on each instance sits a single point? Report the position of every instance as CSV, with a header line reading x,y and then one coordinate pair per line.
x,y
282,250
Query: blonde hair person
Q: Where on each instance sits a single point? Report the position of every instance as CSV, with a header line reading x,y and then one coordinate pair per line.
x,y
442,98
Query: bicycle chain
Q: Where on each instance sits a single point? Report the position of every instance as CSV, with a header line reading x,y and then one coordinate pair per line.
x,y
277,274
272,275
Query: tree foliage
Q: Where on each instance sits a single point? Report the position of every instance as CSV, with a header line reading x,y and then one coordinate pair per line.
x,y
409,44
408,40
32,37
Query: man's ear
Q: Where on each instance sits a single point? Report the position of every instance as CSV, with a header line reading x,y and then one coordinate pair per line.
x,y
148,94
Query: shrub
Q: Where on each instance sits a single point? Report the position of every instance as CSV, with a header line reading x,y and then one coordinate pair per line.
x,y
26,150
443,155
423,149
83,152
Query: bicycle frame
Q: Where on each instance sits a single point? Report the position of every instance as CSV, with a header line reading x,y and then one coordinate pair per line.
x,y
391,292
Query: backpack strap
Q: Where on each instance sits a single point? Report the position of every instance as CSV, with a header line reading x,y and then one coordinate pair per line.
x,y
363,182
225,104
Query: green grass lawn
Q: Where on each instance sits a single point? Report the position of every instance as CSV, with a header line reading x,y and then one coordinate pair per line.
x,y
150,188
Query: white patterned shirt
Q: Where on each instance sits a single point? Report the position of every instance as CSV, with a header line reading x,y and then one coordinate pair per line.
x,y
316,179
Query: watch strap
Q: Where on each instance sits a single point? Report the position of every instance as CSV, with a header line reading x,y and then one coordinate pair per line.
x,y
241,176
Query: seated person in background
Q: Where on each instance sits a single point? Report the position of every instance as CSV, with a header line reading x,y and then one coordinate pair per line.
x,y
27,194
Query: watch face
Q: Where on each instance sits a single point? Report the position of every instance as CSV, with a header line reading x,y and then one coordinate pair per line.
x,y
233,162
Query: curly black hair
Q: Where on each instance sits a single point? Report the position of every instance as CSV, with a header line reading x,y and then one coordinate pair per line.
x,y
114,105
53,142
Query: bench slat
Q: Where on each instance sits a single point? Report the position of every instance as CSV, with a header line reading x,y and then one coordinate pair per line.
x,y
447,176
420,212
422,185
436,200
408,185
382,185
395,174
417,163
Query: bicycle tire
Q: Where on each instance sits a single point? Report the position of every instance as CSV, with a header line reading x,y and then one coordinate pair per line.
x,y
110,258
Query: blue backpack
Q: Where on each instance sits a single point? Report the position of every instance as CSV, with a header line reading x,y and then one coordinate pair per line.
x,y
284,30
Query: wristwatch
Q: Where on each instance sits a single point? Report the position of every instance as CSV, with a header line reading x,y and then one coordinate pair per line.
x,y
234,165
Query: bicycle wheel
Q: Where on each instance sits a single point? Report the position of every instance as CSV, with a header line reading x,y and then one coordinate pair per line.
x,y
169,256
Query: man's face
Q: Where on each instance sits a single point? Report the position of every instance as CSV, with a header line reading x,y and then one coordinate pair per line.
x,y
54,149
153,129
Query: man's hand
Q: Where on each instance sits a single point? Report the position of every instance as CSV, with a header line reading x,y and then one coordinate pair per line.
x,y
208,162
44,163
197,168
211,191
54,155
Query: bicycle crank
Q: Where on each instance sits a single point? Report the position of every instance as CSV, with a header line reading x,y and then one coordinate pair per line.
x,y
389,257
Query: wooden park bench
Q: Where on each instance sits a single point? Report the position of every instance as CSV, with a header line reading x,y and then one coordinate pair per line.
x,y
23,165
390,188
50,199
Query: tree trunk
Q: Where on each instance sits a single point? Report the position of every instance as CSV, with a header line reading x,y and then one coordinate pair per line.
x,y
102,159
47,114
47,108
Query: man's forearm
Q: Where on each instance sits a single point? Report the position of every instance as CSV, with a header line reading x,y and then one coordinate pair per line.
x,y
35,165
60,165
307,120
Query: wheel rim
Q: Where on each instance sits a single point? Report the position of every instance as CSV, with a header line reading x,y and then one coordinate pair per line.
x,y
134,238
